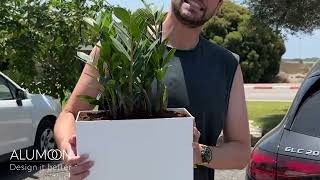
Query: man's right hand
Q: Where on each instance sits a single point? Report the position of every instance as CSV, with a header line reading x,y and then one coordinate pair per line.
x,y
79,164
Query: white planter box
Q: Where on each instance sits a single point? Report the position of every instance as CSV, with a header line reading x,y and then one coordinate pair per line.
x,y
140,149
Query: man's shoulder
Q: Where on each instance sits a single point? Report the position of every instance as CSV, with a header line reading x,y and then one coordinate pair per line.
x,y
219,50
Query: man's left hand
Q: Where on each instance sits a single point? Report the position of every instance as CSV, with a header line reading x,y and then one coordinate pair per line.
x,y
196,146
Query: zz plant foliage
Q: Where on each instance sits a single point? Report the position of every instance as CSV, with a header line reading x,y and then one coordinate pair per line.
x,y
133,58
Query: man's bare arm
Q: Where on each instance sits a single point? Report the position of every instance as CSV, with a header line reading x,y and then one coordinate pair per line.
x,y
87,85
234,153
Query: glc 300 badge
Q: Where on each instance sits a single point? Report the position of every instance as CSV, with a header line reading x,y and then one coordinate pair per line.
x,y
302,151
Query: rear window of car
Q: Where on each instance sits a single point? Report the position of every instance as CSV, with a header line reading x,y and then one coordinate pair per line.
x,y
307,120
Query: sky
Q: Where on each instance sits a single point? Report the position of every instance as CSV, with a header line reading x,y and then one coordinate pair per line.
x,y
298,46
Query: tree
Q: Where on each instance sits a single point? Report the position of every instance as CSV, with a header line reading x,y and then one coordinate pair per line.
x,y
259,48
39,42
294,15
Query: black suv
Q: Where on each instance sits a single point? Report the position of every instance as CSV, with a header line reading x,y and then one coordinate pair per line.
x,y
292,149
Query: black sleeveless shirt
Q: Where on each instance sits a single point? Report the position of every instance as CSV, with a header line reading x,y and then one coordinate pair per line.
x,y
200,80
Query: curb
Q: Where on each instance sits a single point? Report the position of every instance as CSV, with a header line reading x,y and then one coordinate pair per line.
x,y
272,86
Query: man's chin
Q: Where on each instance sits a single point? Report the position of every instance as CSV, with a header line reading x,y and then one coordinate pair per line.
x,y
191,16
191,22
188,18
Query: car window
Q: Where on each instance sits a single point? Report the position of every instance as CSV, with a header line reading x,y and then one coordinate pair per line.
x,y
5,93
13,90
307,120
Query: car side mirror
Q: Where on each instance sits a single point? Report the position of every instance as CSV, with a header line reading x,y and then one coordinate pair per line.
x,y
20,96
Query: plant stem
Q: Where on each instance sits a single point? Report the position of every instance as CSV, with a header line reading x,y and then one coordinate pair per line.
x,y
131,75
149,105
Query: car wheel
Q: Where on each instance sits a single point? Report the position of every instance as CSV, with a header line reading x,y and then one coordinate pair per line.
x,y
45,138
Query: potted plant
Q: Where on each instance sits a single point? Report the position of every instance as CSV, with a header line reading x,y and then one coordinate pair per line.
x,y
132,67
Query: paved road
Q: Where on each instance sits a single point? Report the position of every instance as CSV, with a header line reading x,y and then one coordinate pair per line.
x,y
56,171
230,175
23,171
270,94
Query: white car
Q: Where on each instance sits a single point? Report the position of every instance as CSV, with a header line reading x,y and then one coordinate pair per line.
x,y
26,120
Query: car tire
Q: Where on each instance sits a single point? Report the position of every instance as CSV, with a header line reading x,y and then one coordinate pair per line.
x,y
44,139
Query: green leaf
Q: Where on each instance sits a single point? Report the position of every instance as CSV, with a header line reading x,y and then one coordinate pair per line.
x,y
85,57
123,35
169,56
89,99
105,24
163,46
161,15
120,47
111,84
90,21
138,24
123,15
100,67
160,74
152,32
136,30
164,99
111,90
153,45
140,49
155,60
105,50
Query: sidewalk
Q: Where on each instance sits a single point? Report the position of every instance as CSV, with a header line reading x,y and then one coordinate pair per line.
x,y
292,86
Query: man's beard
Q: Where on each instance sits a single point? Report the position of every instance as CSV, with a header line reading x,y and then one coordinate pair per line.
x,y
192,23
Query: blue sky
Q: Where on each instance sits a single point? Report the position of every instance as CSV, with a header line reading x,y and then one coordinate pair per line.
x,y
299,46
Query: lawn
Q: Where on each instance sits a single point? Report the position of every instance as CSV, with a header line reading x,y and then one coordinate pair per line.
x,y
267,115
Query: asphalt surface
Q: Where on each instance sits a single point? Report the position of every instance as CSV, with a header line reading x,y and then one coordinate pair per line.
x,y
56,171
32,171
270,94
230,174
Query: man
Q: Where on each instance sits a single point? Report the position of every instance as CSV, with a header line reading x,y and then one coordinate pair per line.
x,y
204,78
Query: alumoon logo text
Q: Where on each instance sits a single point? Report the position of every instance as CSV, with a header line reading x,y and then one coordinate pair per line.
x,y
36,155
22,160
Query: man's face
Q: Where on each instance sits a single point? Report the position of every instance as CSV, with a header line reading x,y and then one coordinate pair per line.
x,y
194,13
